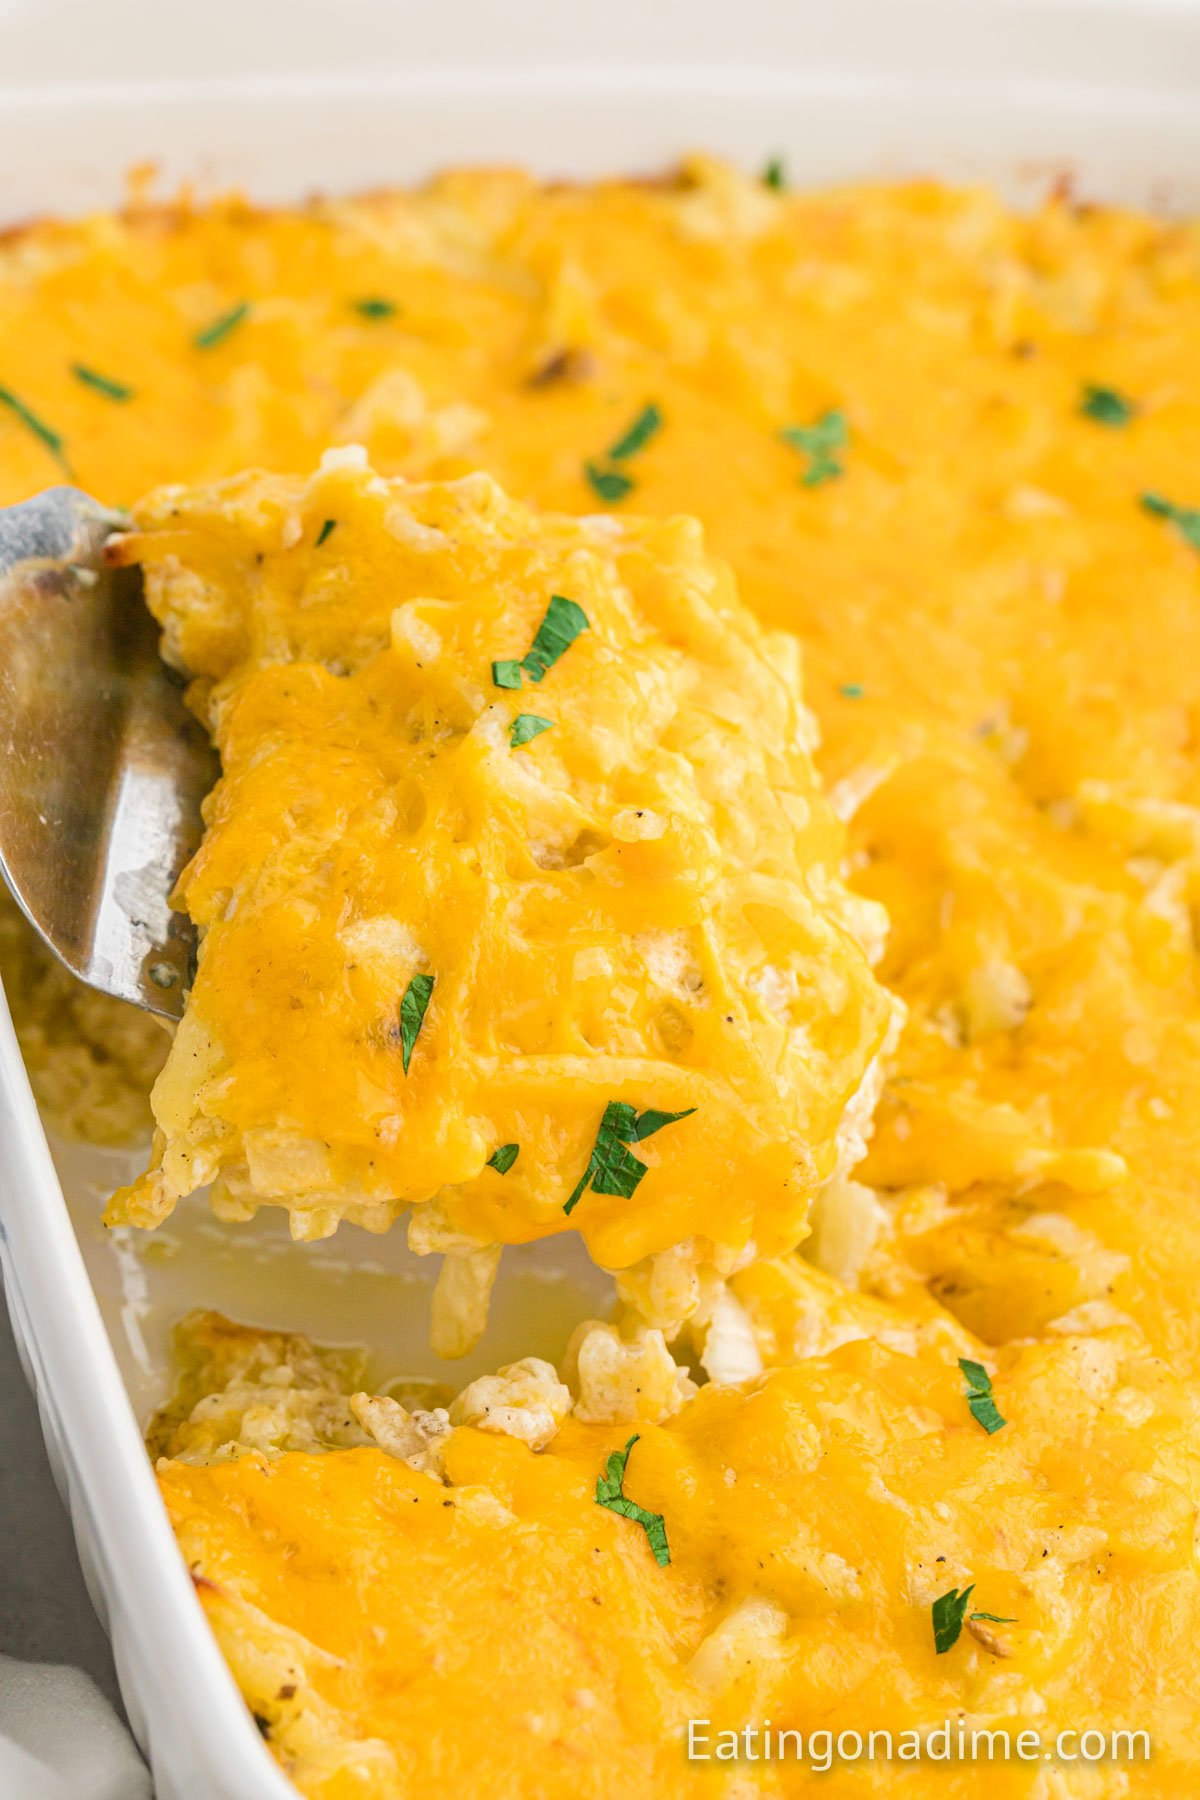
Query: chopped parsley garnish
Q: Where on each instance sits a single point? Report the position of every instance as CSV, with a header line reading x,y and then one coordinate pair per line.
x,y
503,1159
652,1120
563,623
525,727
609,484
326,530
851,690
949,1611
1185,518
112,390
412,1014
1105,405
818,442
219,330
612,1167
374,306
774,175
979,1395
612,484
38,427
609,1494
648,421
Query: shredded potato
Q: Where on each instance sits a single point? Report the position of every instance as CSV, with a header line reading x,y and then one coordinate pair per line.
x,y
92,1060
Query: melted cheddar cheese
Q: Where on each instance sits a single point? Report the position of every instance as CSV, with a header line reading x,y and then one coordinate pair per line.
x,y
640,905
1001,641
487,1627
956,450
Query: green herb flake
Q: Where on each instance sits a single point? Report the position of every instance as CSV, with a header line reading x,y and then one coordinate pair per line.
x,y
851,690
525,727
326,531
221,327
821,470
412,1014
374,306
503,1159
949,1611
610,1494
979,1395
563,623
774,175
651,1121
43,432
648,422
608,484
993,1618
1186,519
819,442
112,390
1105,406
612,1167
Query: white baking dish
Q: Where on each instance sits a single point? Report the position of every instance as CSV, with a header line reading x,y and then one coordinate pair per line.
x,y
284,98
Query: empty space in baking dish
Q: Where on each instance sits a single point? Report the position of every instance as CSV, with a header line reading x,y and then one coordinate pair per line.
x,y
352,1288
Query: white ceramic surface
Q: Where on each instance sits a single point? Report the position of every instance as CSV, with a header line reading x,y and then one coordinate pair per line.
x,y
279,99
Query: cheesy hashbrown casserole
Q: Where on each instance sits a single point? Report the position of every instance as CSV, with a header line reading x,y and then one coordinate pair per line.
x,y
91,1060
548,776
943,1462
411,1598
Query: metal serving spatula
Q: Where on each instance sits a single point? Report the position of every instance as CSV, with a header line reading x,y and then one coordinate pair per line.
x,y
102,770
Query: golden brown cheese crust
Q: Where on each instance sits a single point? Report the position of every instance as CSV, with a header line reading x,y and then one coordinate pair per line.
x,y
641,905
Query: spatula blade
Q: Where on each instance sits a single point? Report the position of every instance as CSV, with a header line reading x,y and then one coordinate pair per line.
x,y
102,769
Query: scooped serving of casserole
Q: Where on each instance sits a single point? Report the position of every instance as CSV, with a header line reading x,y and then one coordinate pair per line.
x,y
707,685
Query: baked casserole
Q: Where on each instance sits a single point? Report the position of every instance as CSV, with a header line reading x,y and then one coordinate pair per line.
x,y
530,904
